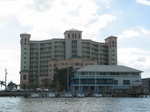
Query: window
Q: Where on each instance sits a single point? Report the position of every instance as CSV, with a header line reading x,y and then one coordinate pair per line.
x,y
68,35
79,36
75,36
74,51
24,77
74,41
126,82
116,82
74,46
72,35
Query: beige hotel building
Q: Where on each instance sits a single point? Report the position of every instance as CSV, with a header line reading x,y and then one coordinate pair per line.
x,y
40,58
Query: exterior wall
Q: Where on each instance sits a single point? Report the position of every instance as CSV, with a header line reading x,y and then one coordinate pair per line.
x,y
109,79
95,51
24,78
146,83
35,55
112,47
25,51
76,63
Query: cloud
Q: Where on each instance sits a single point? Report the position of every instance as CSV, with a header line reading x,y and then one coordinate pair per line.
x,y
136,58
42,5
44,17
145,32
145,2
3,26
128,34
107,2
140,32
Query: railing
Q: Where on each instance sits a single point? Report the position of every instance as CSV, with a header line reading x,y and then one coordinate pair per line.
x,y
103,76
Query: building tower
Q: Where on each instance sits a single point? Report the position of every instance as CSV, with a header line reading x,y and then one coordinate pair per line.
x,y
25,58
73,43
112,49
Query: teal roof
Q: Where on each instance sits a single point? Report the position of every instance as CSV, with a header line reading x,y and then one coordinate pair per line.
x,y
76,56
24,71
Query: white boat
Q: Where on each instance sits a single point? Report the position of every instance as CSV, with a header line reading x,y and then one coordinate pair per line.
x,y
35,95
68,95
51,95
80,95
97,95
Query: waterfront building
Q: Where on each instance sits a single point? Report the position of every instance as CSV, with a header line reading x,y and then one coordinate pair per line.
x,y
146,83
36,56
102,78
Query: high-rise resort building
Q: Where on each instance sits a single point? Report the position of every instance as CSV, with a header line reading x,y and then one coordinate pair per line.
x,y
39,58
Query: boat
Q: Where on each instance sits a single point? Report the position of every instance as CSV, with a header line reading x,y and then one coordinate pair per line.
x,y
68,95
97,95
51,95
35,95
80,95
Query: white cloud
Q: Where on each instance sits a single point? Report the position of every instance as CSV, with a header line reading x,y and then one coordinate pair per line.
x,y
56,15
135,58
107,3
3,26
145,32
128,34
145,2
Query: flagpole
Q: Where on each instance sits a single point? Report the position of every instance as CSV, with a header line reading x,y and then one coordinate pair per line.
x,y
5,78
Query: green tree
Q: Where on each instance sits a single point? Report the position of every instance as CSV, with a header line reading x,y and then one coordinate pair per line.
x,y
2,83
46,82
12,85
60,78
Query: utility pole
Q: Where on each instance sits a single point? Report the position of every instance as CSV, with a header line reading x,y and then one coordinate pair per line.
x,y
5,78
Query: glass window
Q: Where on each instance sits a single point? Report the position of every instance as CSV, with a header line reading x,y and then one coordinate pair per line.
x,y
68,35
116,82
74,51
74,46
74,41
72,35
126,82
79,36
24,77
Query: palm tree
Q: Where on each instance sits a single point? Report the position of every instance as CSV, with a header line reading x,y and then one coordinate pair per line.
x,y
2,83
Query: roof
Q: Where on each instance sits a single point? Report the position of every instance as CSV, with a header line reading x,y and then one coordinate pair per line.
x,y
75,56
74,30
107,68
111,37
24,71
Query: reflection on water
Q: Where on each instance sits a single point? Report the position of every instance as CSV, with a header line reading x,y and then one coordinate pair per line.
x,y
106,104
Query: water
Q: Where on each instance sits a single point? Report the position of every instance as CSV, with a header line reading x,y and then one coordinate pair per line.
x,y
105,104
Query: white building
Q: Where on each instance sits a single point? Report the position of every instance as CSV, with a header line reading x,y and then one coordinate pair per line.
x,y
36,55
105,77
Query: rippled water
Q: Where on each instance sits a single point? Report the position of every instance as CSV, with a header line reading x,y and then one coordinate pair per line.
x,y
105,104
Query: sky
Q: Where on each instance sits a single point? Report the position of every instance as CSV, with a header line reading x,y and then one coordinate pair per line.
x,y
129,20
